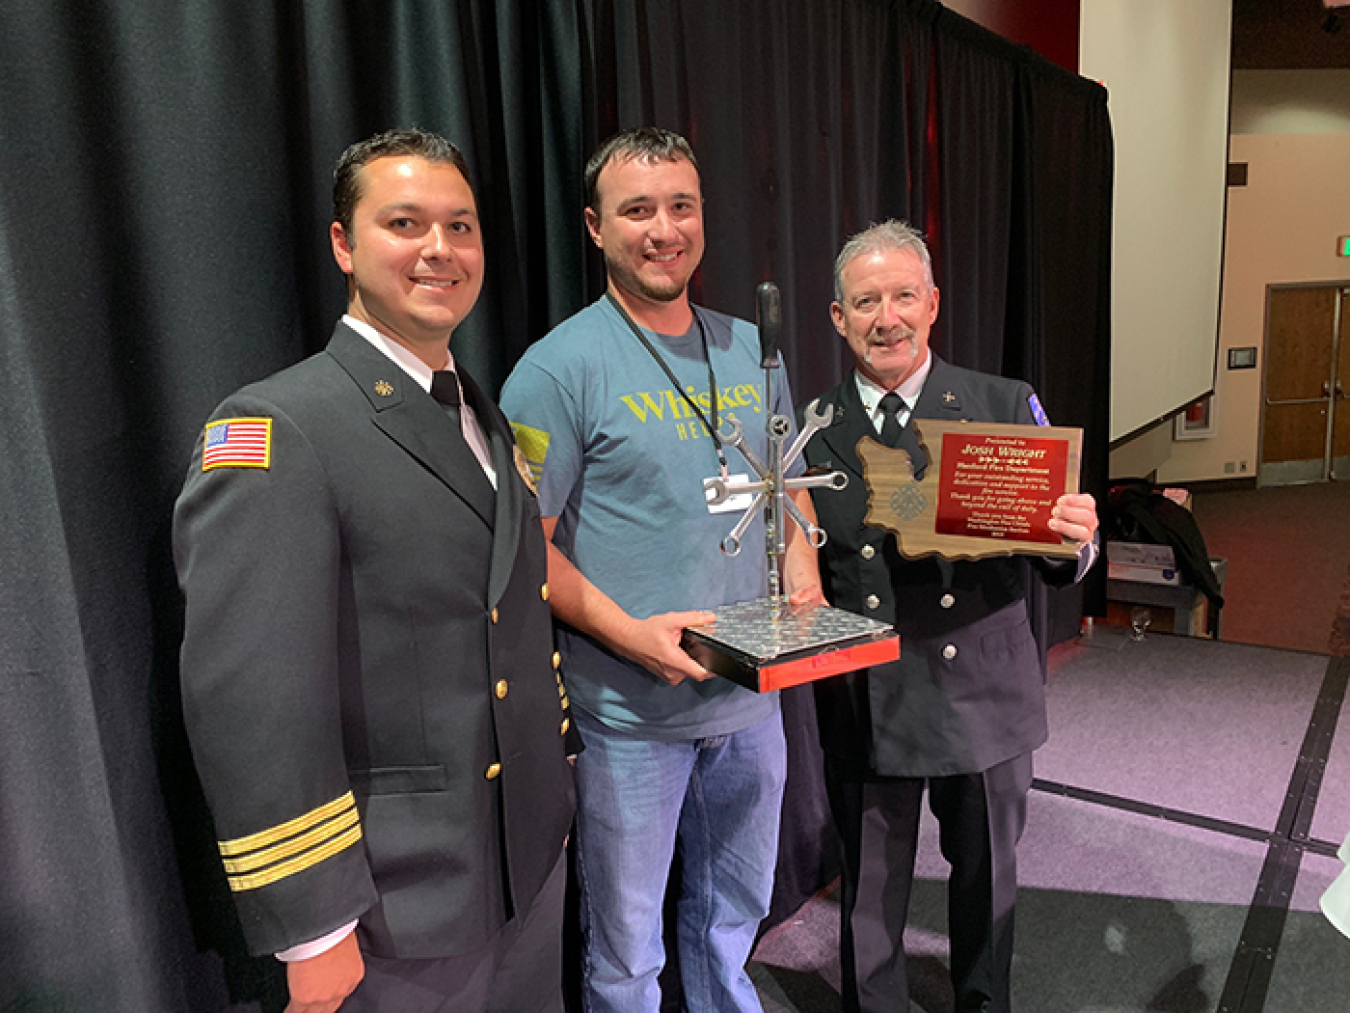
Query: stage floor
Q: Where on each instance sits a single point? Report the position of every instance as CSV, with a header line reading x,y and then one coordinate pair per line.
x,y
1183,825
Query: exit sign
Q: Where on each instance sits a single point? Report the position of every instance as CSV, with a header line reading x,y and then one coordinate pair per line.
x,y
1343,246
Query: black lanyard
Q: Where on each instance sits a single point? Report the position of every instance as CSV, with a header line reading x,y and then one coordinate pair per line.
x,y
710,426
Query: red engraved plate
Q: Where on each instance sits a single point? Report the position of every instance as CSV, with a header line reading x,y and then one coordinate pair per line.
x,y
1000,486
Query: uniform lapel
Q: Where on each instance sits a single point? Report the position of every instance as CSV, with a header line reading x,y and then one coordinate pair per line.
x,y
850,424
408,416
939,400
510,496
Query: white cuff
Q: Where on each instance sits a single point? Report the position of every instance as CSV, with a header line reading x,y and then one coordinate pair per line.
x,y
1092,551
303,951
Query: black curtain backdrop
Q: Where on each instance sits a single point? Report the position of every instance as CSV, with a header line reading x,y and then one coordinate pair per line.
x,y
164,201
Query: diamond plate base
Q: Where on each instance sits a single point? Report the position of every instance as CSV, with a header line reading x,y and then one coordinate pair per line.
x,y
766,645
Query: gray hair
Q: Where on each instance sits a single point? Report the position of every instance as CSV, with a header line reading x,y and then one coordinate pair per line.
x,y
888,235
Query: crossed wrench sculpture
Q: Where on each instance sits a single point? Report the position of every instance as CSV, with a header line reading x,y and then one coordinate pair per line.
x,y
771,491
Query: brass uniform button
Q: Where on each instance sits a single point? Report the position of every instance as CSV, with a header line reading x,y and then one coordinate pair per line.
x,y
557,660
493,770
947,601
500,689
494,615
873,602
543,591
566,724
949,652
867,552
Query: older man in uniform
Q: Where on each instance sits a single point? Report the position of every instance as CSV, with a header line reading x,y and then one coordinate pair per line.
x,y
368,673
964,707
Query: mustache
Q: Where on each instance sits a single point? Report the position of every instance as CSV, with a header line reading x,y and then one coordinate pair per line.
x,y
895,337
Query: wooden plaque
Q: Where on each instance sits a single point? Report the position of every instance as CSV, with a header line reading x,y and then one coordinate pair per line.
x,y
987,491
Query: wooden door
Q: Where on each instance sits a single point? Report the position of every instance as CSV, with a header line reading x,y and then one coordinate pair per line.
x,y
1340,444
1300,332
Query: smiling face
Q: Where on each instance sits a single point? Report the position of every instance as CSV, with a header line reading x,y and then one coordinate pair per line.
x,y
414,255
886,314
649,223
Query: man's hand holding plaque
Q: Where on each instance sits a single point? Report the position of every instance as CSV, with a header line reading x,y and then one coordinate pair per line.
x,y
983,489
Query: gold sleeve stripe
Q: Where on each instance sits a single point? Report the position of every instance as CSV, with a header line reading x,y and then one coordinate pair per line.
x,y
286,848
297,864
288,829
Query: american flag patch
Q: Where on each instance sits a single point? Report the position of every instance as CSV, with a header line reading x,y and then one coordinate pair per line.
x,y
237,443
1037,412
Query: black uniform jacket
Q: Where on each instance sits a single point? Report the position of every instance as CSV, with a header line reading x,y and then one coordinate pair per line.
x,y
368,672
968,690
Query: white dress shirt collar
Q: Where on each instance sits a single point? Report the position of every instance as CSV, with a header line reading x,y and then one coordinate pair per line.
x,y
405,359
422,373
871,393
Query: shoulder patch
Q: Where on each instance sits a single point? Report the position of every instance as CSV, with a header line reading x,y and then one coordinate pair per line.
x,y
526,474
531,451
1037,412
237,443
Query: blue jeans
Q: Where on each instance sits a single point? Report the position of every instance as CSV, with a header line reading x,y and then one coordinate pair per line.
x,y
720,798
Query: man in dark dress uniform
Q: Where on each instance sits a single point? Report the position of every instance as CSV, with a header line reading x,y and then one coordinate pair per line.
x,y
368,672
964,707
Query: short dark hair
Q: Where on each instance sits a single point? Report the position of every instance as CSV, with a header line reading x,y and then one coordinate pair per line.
x,y
648,144
407,141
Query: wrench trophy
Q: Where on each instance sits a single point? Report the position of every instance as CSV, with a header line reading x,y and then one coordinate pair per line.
x,y
772,489
770,643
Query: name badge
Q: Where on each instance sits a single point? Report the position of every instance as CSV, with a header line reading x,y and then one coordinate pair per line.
x,y
735,503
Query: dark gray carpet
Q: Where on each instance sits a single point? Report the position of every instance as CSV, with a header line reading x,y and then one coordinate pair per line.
x,y
1116,911
1312,971
1123,910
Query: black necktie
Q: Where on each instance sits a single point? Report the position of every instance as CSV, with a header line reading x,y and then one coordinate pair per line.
x,y
892,405
445,389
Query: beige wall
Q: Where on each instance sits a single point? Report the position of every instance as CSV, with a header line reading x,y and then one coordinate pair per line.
x,y
1143,455
1282,229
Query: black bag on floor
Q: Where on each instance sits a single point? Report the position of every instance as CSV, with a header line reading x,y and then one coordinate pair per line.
x,y
1137,511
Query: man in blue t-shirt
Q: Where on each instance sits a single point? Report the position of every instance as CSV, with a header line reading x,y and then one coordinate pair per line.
x,y
615,411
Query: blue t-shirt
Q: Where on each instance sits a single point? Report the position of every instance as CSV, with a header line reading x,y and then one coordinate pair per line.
x,y
621,458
